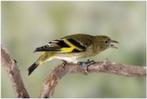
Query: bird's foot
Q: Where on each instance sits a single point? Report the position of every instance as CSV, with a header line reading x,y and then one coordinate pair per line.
x,y
64,63
84,65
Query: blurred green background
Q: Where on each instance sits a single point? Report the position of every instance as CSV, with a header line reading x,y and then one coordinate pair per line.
x,y
27,25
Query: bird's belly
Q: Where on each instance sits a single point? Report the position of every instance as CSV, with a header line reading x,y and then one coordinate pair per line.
x,y
73,57
68,59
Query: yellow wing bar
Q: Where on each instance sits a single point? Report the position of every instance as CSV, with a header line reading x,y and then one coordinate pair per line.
x,y
71,48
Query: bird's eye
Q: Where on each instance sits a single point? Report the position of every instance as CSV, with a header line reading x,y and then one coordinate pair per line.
x,y
106,42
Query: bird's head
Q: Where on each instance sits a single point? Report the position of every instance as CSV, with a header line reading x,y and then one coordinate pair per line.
x,y
105,42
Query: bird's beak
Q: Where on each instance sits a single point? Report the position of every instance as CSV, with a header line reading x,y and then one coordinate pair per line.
x,y
112,44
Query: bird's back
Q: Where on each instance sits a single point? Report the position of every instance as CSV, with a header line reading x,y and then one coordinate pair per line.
x,y
83,39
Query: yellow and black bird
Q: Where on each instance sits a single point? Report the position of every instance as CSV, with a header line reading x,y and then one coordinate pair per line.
x,y
71,48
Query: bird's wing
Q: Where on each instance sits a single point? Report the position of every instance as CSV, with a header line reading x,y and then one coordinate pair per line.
x,y
64,45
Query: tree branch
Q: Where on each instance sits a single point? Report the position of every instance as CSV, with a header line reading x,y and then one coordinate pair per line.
x,y
11,67
103,66
61,70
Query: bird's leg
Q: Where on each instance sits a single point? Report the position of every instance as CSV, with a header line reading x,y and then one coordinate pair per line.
x,y
64,63
86,64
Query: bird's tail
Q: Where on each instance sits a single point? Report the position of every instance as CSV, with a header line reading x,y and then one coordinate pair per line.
x,y
32,68
43,57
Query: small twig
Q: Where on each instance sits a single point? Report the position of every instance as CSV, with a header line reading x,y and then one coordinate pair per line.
x,y
103,66
11,67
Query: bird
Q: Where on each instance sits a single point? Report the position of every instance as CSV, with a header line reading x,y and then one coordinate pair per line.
x,y
71,48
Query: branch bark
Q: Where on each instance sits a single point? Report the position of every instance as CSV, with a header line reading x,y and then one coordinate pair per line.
x,y
103,66
11,67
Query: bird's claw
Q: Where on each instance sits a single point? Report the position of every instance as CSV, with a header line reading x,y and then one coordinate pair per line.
x,y
86,64
64,63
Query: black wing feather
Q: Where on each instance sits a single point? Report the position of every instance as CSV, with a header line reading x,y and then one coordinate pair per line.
x,y
44,48
77,44
55,45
